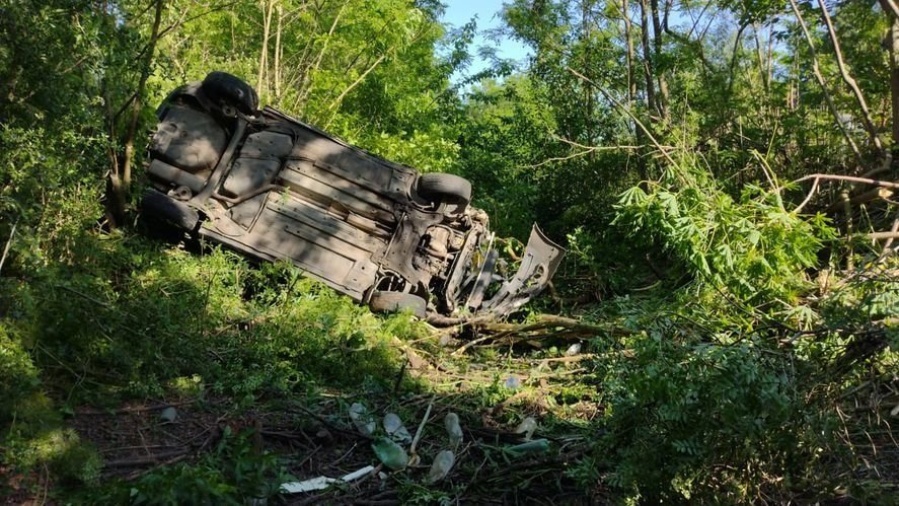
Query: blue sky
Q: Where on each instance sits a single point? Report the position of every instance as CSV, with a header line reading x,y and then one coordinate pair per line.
x,y
459,12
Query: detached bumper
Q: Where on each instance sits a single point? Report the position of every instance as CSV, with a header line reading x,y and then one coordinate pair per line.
x,y
538,265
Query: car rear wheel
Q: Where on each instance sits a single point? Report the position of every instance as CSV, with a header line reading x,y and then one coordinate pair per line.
x,y
391,302
445,188
231,90
164,209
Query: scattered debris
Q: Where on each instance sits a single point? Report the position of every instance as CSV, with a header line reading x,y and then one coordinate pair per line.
x,y
443,462
453,429
395,429
323,482
361,418
390,454
535,446
168,415
527,427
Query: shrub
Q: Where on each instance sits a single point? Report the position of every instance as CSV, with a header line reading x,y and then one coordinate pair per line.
x,y
724,423
235,473
18,375
752,245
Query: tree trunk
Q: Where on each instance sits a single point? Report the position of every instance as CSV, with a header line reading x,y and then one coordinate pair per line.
x,y
893,46
647,59
268,7
850,81
632,84
585,64
629,42
659,75
119,183
762,59
277,70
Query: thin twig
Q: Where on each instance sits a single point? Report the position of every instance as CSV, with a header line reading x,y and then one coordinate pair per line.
x,y
816,70
142,461
808,197
352,86
886,245
850,179
881,235
344,456
421,427
626,111
136,409
12,233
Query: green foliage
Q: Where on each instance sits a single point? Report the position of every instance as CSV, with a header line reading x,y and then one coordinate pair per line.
x,y
871,297
18,375
235,473
707,422
724,398
48,191
60,451
752,246
506,132
426,152
138,317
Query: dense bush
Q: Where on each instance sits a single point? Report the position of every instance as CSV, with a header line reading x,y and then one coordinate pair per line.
x,y
753,246
19,378
707,421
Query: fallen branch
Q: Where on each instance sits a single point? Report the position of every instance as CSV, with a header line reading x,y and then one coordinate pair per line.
x,y
851,179
557,326
862,198
133,409
421,427
886,245
881,235
147,460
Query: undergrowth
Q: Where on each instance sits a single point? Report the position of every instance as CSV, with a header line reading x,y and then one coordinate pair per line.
x,y
725,383
109,318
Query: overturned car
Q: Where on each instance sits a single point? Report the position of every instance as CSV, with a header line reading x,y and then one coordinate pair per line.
x,y
273,188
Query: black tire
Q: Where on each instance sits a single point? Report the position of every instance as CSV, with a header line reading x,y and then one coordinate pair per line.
x,y
445,188
164,209
227,89
392,302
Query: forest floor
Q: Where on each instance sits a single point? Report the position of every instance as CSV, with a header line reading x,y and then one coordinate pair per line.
x,y
492,389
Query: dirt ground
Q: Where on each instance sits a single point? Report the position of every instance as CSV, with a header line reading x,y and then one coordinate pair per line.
x,y
319,440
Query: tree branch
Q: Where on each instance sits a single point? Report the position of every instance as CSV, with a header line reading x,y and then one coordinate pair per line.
x,y
817,71
850,81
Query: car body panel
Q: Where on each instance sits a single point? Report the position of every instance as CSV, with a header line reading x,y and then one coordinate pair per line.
x,y
275,188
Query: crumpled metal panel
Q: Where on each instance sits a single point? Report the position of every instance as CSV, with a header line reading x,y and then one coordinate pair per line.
x,y
538,265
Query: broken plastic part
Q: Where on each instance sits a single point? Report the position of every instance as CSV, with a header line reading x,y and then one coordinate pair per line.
x,y
323,482
395,429
362,419
527,427
390,454
573,350
540,261
453,429
442,465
